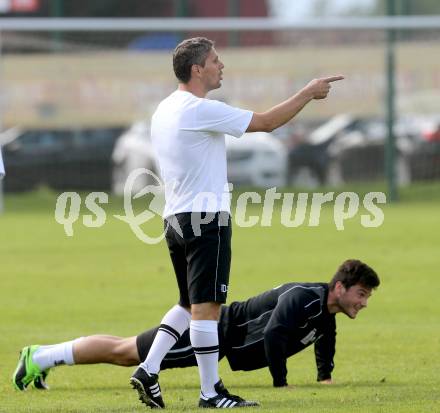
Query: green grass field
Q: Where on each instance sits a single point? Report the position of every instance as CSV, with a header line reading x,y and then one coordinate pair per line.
x,y
104,280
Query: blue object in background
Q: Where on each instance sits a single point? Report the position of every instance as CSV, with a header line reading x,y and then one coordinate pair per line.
x,y
165,41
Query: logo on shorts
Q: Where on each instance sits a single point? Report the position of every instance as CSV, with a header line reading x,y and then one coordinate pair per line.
x,y
223,288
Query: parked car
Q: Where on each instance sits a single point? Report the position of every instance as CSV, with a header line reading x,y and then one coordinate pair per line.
x,y
349,148
309,160
133,150
256,159
2,170
424,158
360,155
63,159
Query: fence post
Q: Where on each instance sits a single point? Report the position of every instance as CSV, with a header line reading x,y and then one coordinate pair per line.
x,y
390,147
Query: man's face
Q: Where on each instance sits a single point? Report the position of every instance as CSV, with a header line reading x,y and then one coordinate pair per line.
x,y
353,299
211,73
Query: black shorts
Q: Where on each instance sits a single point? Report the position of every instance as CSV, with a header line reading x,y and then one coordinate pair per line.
x,y
181,354
201,255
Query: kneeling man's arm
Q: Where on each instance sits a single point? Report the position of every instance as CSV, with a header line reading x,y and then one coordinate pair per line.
x,y
275,345
287,316
324,355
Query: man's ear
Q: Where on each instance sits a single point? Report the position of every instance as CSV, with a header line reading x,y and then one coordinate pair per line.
x,y
339,288
195,70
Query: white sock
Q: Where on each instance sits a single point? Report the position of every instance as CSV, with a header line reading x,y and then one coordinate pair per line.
x,y
54,355
175,322
204,340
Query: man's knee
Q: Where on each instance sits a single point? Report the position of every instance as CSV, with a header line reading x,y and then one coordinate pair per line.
x,y
205,311
125,352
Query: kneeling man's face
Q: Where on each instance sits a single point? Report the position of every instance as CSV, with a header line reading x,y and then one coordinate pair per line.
x,y
353,299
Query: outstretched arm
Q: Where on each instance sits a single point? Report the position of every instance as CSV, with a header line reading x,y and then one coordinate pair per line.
x,y
325,349
286,316
285,111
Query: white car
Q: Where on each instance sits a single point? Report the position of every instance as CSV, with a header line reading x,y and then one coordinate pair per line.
x,y
256,159
132,150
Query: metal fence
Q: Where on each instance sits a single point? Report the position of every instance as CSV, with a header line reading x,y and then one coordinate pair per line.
x,y
70,87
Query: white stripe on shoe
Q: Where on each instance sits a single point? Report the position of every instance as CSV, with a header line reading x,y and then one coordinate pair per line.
x,y
228,402
220,403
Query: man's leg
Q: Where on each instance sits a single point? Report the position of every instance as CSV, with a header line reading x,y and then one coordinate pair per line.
x,y
35,361
106,349
209,259
204,340
145,378
173,325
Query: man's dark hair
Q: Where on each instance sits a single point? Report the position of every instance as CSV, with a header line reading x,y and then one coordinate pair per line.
x,y
190,52
352,272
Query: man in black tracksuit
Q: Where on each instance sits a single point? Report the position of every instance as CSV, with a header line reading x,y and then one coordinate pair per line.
x,y
262,331
265,330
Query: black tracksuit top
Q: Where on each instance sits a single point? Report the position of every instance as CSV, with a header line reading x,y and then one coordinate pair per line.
x,y
267,329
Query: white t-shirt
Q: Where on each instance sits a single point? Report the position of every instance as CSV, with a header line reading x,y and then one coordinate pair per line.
x,y
2,168
188,138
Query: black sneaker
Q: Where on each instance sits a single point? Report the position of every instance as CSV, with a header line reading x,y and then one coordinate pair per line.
x,y
147,386
224,399
40,381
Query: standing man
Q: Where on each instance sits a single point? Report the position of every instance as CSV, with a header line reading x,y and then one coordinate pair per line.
x,y
187,132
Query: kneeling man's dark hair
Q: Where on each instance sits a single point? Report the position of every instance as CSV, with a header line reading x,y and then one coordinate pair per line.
x,y
352,272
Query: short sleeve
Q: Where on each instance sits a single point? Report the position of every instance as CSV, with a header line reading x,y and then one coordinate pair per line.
x,y
215,116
